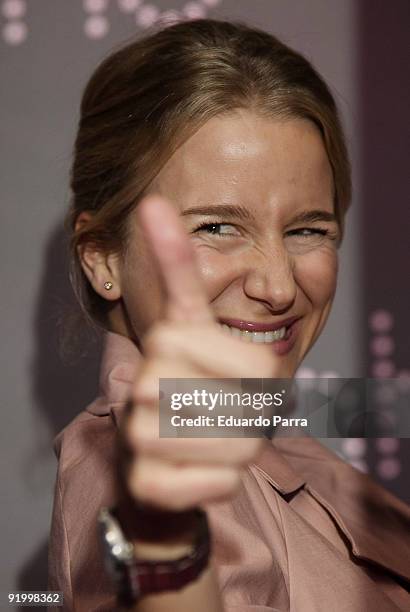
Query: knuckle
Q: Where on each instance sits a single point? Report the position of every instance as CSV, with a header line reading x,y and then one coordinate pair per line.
x,y
140,441
138,483
146,389
144,487
142,430
150,484
175,503
159,491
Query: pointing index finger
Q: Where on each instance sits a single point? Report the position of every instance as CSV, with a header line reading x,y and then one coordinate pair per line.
x,y
167,237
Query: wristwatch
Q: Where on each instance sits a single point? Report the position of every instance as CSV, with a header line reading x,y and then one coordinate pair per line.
x,y
134,577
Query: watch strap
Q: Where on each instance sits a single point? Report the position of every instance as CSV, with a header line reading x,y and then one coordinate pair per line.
x,y
138,577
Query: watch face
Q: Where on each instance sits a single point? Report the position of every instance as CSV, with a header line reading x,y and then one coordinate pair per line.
x,y
118,558
118,552
114,568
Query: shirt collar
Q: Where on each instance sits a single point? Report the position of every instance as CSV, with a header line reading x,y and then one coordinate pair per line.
x,y
375,522
121,360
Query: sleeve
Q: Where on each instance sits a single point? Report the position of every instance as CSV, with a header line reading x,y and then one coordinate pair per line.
x,y
59,576
60,562
83,485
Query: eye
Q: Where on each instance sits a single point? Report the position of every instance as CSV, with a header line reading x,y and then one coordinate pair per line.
x,y
307,232
312,237
217,229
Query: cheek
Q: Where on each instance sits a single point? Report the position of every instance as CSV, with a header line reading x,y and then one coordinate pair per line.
x,y
316,275
217,270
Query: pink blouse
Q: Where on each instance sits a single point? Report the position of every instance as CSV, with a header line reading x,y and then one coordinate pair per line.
x,y
305,533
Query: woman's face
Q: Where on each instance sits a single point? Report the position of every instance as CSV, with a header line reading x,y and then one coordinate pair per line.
x,y
256,198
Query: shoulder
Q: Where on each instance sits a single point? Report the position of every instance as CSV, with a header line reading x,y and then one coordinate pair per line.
x,y
86,451
88,440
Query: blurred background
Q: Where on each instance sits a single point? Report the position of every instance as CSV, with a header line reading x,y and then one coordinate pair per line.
x,y
48,49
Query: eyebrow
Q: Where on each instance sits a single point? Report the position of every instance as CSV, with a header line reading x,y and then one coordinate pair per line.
x,y
221,210
241,212
309,216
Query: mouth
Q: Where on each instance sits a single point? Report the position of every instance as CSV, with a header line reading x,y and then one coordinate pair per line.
x,y
279,333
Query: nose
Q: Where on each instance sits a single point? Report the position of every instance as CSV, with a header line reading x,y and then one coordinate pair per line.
x,y
269,278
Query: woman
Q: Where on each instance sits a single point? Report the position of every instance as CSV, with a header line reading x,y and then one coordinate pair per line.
x,y
210,185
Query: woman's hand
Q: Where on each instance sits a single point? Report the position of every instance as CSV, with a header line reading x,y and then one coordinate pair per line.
x,y
179,474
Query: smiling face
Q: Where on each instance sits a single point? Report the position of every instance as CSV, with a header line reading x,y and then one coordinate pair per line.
x,y
256,198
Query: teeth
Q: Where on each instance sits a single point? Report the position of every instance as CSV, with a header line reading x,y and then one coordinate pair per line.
x,y
246,336
258,337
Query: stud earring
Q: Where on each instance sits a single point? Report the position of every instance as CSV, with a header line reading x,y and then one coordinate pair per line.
x,y
108,285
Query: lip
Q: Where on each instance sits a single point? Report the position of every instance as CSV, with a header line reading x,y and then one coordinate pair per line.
x,y
283,347
259,327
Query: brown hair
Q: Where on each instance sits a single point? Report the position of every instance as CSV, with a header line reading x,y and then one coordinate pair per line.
x,y
148,97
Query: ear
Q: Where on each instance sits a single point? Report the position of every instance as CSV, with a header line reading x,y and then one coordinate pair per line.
x,y
99,267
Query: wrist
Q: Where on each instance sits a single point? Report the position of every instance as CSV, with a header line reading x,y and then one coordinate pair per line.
x,y
143,523
142,566
164,551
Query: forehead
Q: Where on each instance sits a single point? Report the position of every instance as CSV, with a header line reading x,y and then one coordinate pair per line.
x,y
252,158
